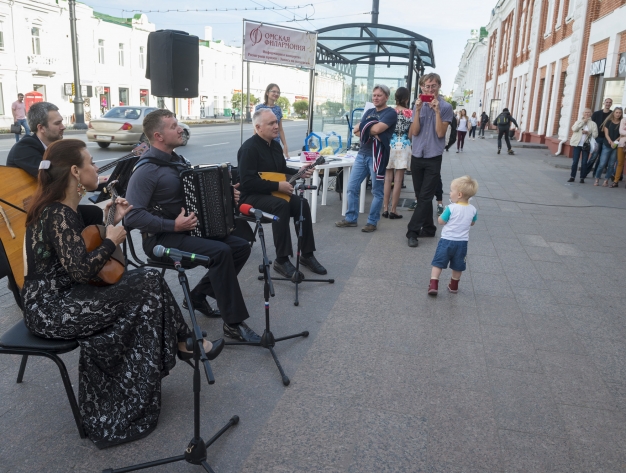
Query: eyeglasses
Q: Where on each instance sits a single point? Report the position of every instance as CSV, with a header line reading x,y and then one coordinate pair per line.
x,y
430,87
277,92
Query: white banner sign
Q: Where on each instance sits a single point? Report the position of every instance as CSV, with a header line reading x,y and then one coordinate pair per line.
x,y
286,46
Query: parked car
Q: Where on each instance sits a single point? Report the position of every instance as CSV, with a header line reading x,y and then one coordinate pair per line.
x,y
123,125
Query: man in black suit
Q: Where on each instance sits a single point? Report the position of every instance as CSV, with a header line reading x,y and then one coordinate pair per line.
x,y
262,153
47,125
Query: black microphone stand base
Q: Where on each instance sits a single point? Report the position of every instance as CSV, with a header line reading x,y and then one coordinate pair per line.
x,y
298,278
267,339
196,451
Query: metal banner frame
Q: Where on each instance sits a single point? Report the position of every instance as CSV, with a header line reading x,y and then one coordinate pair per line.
x,y
247,74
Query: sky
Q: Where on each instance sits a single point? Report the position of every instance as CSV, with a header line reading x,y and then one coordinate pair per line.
x,y
446,22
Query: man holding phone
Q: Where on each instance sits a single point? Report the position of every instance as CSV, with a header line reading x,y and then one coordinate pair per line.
x,y
431,118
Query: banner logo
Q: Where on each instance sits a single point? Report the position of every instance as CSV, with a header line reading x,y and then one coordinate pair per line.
x,y
256,35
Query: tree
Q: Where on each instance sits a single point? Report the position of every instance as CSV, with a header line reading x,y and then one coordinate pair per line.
x,y
301,107
236,100
284,105
448,99
331,109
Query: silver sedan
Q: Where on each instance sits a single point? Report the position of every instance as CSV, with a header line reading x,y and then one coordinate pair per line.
x,y
123,125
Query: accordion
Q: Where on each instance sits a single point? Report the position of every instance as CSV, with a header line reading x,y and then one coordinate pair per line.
x,y
209,195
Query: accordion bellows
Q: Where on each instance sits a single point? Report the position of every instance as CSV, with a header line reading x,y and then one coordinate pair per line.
x,y
209,195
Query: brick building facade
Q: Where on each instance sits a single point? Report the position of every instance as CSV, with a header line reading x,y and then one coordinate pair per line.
x,y
549,59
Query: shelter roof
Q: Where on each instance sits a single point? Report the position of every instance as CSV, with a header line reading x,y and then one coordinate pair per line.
x,y
368,43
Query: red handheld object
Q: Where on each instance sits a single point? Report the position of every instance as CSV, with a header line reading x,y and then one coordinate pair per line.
x,y
426,98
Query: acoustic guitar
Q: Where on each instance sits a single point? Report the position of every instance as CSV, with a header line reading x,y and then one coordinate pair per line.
x,y
94,235
17,188
280,177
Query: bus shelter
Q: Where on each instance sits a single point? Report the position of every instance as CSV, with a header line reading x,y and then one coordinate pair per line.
x,y
350,59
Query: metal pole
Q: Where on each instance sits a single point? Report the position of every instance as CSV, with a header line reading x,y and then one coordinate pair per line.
x,y
243,45
79,110
409,79
311,101
248,117
375,12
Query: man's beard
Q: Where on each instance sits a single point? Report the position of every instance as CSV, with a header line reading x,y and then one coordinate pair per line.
x,y
53,137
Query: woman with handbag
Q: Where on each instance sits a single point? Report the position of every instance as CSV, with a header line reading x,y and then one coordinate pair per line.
x,y
585,132
621,151
129,333
400,155
609,152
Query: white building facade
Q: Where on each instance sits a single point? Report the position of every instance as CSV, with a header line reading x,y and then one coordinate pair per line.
x,y
470,78
547,60
36,57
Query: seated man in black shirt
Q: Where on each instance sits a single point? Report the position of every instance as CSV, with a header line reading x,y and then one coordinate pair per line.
x,y
262,153
155,191
47,125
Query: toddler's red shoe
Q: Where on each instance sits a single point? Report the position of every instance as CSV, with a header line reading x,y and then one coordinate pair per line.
x,y
433,288
453,287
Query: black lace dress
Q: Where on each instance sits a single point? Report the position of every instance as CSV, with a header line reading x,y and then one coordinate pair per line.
x,y
127,332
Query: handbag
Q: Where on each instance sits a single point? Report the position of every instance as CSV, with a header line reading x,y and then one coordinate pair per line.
x,y
16,128
587,145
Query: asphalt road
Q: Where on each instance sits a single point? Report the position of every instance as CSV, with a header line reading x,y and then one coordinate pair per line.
x,y
207,144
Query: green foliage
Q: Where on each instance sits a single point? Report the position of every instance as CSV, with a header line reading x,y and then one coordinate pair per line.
x,y
448,99
284,104
301,107
331,109
236,100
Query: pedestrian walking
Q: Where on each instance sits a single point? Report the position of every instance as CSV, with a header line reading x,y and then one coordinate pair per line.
x,y
598,117
484,121
503,122
452,135
583,139
621,151
609,151
461,130
456,219
473,124
18,109
428,130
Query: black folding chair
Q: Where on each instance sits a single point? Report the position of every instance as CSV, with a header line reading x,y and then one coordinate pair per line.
x,y
18,340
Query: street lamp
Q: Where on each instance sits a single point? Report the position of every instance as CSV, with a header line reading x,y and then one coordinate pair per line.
x,y
79,110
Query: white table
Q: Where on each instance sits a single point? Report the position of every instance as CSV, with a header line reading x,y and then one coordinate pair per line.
x,y
343,163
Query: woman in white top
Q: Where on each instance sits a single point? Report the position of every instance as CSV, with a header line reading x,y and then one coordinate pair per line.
x,y
585,130
461,129
474,123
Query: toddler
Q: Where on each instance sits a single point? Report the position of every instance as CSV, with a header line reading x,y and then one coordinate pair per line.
x,y
457,219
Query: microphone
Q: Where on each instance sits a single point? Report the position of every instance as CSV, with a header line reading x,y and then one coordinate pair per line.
x,y
306,187
247,209
178,255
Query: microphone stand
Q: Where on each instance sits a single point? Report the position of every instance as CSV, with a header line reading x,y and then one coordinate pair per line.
x,y
267,339
298,277
196,451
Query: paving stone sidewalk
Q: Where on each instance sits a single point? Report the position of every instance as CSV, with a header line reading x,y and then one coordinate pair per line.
x,y
524,370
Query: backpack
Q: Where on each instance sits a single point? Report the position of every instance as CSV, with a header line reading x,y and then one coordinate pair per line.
x,y
503,120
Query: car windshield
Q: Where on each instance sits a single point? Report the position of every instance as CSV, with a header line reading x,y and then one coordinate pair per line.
x,y
129,113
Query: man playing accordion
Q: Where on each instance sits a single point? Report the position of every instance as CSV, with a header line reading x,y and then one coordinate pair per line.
x,y
155,191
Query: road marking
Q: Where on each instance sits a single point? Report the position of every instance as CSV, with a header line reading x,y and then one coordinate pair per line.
x,y
216,144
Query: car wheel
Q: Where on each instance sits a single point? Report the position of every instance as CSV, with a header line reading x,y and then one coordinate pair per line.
x,y
185,137
103,144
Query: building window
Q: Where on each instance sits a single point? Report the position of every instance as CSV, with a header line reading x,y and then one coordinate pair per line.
x,y
550,17
120,54
225,72
1,101
1,36
234,70
559,16
201,67
34,33
570,9
215,69
123,96
101,51
142,59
